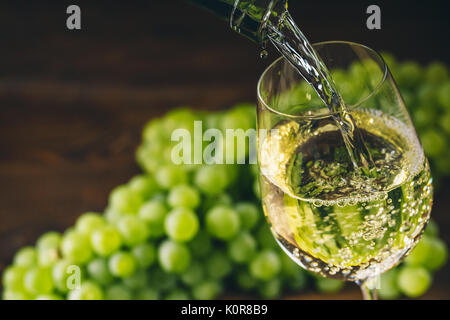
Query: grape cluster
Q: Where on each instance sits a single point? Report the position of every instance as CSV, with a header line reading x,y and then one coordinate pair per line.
x,y
173,232
196,230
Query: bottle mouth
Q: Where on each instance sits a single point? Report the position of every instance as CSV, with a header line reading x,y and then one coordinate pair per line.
x,y
325,111
252,23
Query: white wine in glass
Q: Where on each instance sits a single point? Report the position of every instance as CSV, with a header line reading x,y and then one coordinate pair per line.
x,y
329,216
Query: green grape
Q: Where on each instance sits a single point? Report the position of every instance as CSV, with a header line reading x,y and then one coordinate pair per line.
x,y
443,95
87,291
247,110
154,213
47,256
409,74
242,248
436,72
211,180
206,290
245,280
49,297
161,280
201,244
421,253
170,176
432,229
13,277
106,240
218,265
122,264
213,119
38,280
181,224
147,294
177,294
413,281
123,199
270,289
148,156
154,131
184,196
118,292
99,272
75,247
265,238
222,222
194,274
173,257
180,118
388,285
144,185
60,274
136,281
49,240
433,142
437,255
15,295
133,230
112,216
248,214
89,222
26,257
265,265
328,285
145,254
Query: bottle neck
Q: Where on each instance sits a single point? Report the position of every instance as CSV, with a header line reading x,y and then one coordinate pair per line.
x,y
250,18
247,17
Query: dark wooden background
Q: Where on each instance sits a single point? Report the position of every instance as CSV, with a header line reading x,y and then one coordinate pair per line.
x,y
73,103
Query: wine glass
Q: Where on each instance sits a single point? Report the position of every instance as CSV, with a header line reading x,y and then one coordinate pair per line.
x,y
329,216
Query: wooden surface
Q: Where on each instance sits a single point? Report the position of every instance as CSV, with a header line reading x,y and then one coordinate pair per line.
x,y
73,103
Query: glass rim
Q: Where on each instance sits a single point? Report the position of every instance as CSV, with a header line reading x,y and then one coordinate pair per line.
x,y
322,115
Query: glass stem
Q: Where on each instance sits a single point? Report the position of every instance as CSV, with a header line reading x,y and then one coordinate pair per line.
x,y
368,289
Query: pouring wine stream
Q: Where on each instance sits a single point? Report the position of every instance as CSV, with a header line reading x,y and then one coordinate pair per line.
x,y
293,45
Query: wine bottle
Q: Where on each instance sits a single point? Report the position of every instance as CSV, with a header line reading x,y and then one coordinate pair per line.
x,y
246,17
